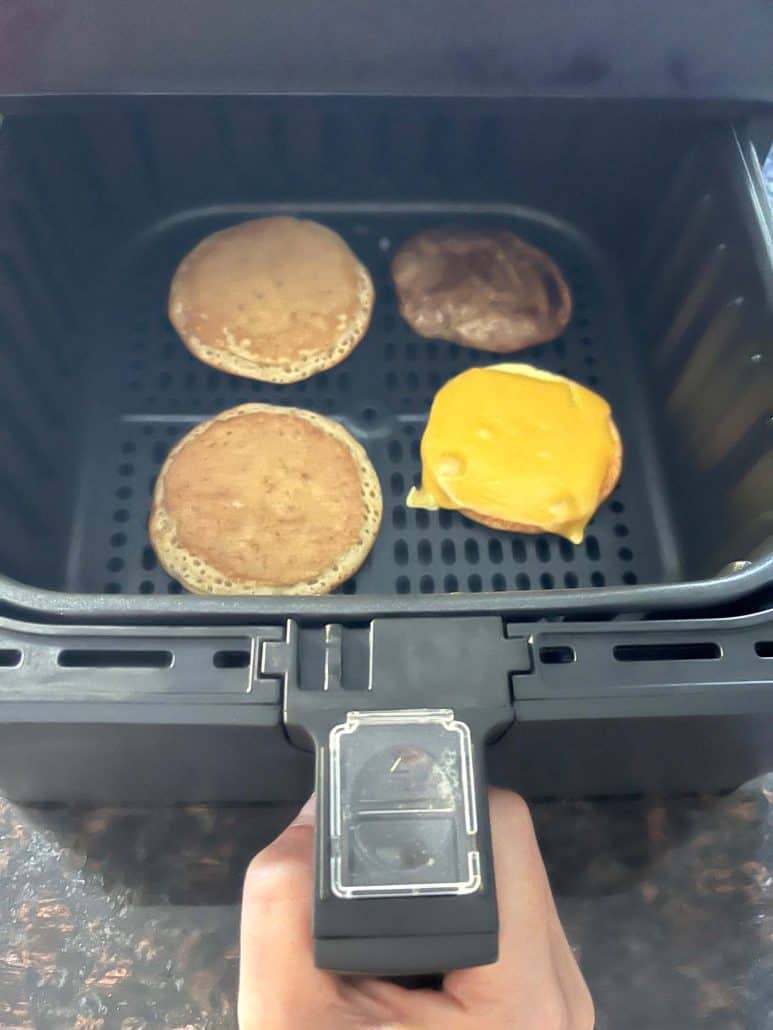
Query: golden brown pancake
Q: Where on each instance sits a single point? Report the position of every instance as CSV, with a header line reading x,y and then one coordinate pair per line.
x,y
265,500
485,289
275,299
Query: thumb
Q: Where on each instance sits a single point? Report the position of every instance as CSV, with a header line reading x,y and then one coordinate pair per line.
x,y
276,912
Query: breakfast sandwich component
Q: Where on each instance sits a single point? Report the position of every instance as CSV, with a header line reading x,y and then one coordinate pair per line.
x,y
265,500
486,289
519,449
276,299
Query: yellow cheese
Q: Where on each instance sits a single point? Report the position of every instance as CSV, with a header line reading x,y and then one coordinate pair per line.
x,y
512,442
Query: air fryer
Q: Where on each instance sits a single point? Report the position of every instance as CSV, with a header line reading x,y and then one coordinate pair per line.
x,y
639,660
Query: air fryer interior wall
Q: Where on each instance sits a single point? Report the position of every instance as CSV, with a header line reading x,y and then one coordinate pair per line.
x,y
644,214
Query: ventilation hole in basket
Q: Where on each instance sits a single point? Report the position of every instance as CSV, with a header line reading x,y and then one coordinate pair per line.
x,y
587,341
409,430
625,554
434,379
388,322
410,350
117,539
158,451
397,484
391,380
593,380
597,579
542,548
128,447
448,552
630,578
173,587
172,431
149,560
147,586
522,581
427,585
559,346
401,552
424,552
398,517
395,450
445,518
422,518
148,430
498,582
115,564
416,450
165,380
495,552
402,585
450,584
621,530
583,323
566,549
519,551
589,360
412,380
123,493
472,552
389,350
592,548
570,580
121,515
474,583
617,507
349,587
369,415
126,469
546,581
112,587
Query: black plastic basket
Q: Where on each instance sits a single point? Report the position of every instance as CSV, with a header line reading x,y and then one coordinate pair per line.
x,y
659,221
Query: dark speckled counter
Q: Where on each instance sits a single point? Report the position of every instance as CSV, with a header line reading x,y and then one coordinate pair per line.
x,y
128,918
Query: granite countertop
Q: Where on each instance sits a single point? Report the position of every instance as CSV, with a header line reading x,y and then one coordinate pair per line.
x,y
128,918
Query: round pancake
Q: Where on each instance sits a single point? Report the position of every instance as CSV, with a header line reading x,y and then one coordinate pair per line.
x,y
275,299
486,289
265,500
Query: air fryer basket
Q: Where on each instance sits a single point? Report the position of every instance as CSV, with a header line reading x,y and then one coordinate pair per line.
x,y
656,224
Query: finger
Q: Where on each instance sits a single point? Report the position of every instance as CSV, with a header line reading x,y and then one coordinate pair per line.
x,y
524,969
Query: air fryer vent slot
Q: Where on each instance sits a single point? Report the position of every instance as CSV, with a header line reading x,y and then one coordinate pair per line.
x,y
10,658
764,648
680,652
557,655
236,659
111,659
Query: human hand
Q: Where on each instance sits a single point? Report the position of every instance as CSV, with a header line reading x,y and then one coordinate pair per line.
x,y
535,984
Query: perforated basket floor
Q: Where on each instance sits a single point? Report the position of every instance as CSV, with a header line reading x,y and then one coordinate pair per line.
x,y
146,391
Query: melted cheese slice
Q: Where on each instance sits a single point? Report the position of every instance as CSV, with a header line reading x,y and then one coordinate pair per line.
x,y
515,443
